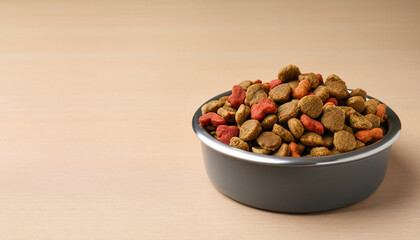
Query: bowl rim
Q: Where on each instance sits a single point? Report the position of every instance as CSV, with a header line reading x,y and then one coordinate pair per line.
x,y
394,130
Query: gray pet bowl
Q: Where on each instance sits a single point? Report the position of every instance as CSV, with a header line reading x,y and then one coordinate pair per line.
x,y
296,185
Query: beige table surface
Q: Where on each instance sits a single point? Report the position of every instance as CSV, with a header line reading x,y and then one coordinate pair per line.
x,y
96,101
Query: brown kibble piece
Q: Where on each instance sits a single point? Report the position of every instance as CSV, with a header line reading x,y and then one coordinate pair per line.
x,y
371,106
223,99
261,150
239,144
227,104
268,122
347,128
269,141
320,151
311,139
333,118
242,114
287,111
250,130
213,105
344,141
322,92
301,148
255,93
227,113
283,133
295,127
210,128
359,121
338,91
245,84
280,93
293,84
311,105
357,103
334,151
359,92
328,140
375,120
334,79
336,87
311,77
289,73
284,150
348,111
359,144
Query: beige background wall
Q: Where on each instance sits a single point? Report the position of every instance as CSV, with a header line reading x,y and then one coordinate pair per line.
x,y
96,101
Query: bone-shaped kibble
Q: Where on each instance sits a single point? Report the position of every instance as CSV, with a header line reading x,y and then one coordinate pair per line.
x,y
225,133
262,108
311,124
211,118
237,97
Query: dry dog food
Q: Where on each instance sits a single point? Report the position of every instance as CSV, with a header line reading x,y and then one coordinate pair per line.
x,y
295,115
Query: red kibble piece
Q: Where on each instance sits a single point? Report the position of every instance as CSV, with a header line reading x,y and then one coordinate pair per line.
x,y
274,83
225,133
311,93
333,100
321,80
328,104
267,86
371,135
211,118
380,111
237,97
311,124
294,149
261,109
301,90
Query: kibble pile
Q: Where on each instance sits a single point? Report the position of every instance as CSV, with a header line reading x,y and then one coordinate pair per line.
x,y
295,115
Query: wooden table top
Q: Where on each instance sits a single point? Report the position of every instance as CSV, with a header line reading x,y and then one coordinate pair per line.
x,y
96,101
